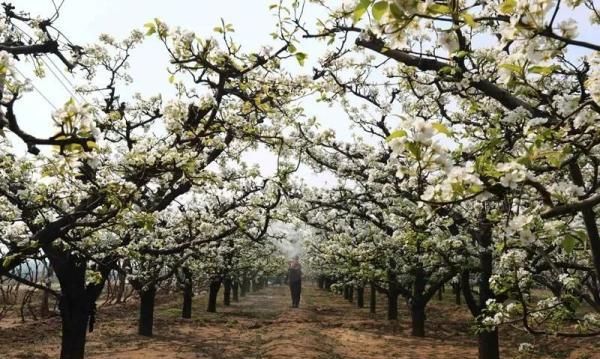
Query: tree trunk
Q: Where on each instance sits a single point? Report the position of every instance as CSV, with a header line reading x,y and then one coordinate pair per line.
x,y
417,311
589,218
77,303
227,292
456,287
245,286
489,347
392,293
320,283
488,341
214,287
392,306
146,320
360,296
235,290
373,299
74,312
351,294
74,315
418,302
188,294
328,283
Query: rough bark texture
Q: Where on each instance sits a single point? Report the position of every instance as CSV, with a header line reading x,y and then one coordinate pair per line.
x,y
77,301
74,312
488,345
146,320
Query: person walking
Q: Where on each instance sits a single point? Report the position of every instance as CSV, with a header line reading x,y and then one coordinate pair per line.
x,y
295,280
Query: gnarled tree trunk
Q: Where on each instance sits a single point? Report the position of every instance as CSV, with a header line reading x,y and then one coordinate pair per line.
x,y
77,302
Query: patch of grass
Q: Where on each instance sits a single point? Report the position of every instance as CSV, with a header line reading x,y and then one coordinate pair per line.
x,y
169,312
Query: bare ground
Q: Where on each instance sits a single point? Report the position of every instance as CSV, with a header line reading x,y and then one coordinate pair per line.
x,y
262,325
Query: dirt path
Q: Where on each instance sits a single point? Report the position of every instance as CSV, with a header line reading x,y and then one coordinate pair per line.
x,y
263,326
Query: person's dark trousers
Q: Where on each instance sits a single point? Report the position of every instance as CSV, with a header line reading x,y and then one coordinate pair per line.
x,y
296,289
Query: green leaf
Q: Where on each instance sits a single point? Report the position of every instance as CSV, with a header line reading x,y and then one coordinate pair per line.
x,y
508,6
301,56
360,10
475,188
469,20
171,78
461,54
291,48
415,149
379,9
91,144
397,12
150,28
554,158
447,70
582,235
7,261
396,134
569,242
439,9
457,187
543,70
513,68
441,129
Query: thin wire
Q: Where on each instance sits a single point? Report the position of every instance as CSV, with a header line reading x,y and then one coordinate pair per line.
x,y
38,90
67,88
71,90
57,8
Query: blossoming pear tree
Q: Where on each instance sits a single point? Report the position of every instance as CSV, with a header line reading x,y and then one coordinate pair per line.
x,y
116,161
514,88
